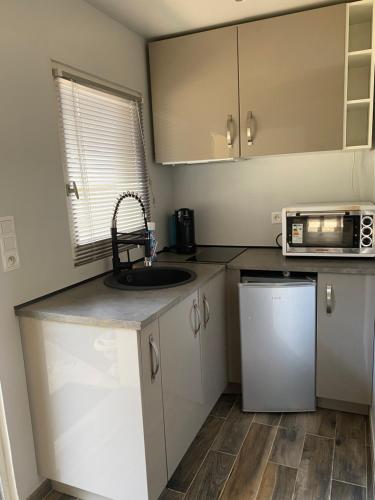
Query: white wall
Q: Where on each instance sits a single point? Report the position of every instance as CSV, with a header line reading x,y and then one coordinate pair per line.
x,y
32,32
233,201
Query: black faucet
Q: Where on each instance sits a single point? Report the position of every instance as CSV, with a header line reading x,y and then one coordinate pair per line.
x,y
133,238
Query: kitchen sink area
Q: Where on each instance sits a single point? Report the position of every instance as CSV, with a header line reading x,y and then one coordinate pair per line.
x,y
150,278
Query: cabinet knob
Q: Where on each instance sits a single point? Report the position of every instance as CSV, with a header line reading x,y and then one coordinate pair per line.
x,y
329,298
154,351
229,131
197,319
206,311
249,133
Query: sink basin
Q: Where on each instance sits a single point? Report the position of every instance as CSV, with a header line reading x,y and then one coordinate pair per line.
x,y
150,278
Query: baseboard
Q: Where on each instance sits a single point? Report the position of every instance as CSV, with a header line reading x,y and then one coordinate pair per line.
x,y
333,404
76,492
42,491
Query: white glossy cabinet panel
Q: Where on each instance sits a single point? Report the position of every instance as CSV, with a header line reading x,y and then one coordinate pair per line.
x,y
84,387
183,394
153,416
345,335
213,339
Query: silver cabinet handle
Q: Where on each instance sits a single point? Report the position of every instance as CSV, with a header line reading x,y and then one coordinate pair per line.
x,y
154,351
71,188
249,134
197,322
329,298
229,131
206,311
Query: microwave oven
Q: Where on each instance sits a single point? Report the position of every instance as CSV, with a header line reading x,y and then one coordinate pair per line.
x,y
329,230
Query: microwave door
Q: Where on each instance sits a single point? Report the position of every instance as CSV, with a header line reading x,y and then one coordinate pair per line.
x,y
323,231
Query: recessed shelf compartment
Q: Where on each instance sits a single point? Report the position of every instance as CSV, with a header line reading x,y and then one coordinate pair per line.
x,y
359,75
359,71
360,26
357,124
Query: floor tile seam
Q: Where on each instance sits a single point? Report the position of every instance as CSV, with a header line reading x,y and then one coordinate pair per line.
x,y
333,459
268,458
349,482
237,457
298,468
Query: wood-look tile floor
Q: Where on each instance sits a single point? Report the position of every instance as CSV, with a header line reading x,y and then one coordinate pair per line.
x,y
323,455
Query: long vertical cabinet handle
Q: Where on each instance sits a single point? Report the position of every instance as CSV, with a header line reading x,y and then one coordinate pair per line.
x,y
154,350
329,298
197,319
249,134
229,131
206,311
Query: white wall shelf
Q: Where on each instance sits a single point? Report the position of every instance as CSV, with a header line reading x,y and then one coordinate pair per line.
x,y
359,71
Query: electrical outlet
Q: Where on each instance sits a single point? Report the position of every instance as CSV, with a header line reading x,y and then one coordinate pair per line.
x,y
276,217
8,244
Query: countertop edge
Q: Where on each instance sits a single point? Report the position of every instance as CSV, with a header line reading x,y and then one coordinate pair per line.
x,y
115,323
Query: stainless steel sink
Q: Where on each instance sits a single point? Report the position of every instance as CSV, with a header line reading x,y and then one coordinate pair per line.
x,y
150,278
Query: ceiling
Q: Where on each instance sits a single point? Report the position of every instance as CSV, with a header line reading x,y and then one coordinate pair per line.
x,y
159,18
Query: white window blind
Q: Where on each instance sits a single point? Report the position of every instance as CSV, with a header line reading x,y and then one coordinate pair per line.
x,y
104,156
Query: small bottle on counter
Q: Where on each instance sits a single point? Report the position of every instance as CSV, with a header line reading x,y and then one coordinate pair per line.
x,y
153,242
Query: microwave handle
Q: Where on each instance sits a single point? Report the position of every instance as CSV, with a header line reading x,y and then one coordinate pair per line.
x,y
312,214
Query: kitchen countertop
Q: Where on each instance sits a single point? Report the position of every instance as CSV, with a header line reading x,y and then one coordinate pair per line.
x,y
271,259
93,303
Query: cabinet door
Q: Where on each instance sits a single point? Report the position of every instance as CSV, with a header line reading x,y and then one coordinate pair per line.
x,y
182,378
213,339
345,337
152,407
194,87
291,71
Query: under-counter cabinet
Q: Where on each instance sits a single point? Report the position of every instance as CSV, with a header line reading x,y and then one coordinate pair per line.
x,y
193,365
96,405
291,82
115,409
195,96
345,336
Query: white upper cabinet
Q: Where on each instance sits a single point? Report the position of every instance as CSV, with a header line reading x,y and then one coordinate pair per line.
x,y
300,82
195,97
291,81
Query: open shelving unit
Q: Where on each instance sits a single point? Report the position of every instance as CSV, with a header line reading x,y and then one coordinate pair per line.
x,y
359,75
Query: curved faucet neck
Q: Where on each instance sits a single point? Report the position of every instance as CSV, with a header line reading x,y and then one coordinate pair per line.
x,y
121,198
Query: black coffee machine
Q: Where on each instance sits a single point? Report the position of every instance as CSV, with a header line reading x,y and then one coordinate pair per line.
x,y
185,234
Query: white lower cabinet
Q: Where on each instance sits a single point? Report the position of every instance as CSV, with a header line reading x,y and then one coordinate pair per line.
x,y
213,339
183,394
114,410
345,336
194,369
96,414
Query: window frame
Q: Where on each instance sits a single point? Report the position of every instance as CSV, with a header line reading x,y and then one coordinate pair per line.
x,y
62,71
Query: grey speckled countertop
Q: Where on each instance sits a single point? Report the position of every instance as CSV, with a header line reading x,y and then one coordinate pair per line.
x,y
93,303
271,259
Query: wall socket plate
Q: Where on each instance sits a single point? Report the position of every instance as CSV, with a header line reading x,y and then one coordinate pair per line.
x,y
276,217
8,244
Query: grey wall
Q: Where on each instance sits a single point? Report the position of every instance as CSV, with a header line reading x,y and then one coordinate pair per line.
x,y
32,32
233,201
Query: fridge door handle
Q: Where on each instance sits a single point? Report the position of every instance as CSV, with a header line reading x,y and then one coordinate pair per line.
x,y
329,298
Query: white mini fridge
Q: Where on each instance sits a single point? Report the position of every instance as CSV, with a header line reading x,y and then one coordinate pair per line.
x,y
278,343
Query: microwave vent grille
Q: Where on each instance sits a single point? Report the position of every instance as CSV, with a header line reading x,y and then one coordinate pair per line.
x,y
367,231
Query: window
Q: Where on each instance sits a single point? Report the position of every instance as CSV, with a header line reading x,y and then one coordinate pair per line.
x,y
104,156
